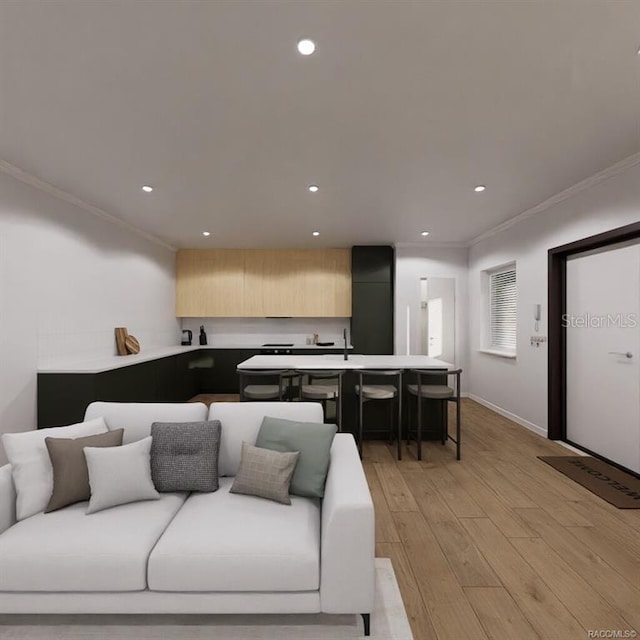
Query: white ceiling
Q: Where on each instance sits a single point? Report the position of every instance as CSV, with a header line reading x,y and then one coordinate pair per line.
x,y
402,110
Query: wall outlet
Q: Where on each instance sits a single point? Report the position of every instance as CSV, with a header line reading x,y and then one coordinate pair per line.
x,y
536,341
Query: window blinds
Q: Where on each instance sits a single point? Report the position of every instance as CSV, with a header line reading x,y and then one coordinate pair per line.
x,y
503,298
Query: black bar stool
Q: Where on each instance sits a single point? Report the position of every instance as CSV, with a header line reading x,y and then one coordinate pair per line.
x,y
429,386
263,392
329,388
375,391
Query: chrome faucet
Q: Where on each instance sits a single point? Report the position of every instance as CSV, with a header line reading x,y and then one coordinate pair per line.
x,y
346,349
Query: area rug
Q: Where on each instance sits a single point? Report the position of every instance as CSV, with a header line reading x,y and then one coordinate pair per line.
x,y
621,489
388,622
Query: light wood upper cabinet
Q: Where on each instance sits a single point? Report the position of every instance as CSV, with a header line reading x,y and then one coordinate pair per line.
x,y
263,283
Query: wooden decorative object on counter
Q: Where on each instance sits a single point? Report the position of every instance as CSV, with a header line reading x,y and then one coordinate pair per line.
x,y
121,338
132,345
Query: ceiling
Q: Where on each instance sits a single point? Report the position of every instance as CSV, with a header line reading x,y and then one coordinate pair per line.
x,y
402,110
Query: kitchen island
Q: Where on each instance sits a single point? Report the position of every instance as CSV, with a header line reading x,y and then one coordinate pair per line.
x,y
377,417
334,361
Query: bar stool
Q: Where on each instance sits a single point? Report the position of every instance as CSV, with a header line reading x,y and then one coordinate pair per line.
x,y
434,391
330,388
262,392
372,392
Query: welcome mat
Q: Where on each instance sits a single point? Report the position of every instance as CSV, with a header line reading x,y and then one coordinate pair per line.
x,y
620,489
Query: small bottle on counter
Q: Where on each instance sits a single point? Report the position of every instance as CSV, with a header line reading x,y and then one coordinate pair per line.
x,y
315,338
203,335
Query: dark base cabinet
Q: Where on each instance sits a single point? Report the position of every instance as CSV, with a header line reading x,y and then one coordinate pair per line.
x,y
63,397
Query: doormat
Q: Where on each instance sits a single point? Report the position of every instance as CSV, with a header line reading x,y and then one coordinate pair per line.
x,y
620,489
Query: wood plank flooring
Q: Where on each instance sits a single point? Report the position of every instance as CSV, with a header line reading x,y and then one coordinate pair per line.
x,y
499,545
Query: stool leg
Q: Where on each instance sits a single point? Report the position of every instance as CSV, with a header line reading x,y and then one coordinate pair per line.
x,y
458,428
360,420
339,404
445,422
419,428
400,418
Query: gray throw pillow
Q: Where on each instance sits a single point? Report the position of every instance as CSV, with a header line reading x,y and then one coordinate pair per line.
x,y
264,473
184,455
70,473
312,440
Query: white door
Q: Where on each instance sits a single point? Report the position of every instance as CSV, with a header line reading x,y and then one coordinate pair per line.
x,y
603,353
435,322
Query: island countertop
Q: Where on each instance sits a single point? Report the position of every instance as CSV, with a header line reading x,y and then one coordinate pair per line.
x,y
335,361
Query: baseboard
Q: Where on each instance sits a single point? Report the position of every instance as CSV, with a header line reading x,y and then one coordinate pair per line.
x,y
507,414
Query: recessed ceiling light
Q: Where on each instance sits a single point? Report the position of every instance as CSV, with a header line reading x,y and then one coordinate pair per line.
x,y
206,234
313,188
424,233
316,233
306,47
480,188
147,189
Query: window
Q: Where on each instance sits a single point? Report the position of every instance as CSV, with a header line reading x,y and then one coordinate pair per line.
x,y
502,312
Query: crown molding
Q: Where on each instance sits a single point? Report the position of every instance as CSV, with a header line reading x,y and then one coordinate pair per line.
x,y
431,245
587,183
41,185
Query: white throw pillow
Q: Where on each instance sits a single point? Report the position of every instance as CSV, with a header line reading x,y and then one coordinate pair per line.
x,y
31,466
119,475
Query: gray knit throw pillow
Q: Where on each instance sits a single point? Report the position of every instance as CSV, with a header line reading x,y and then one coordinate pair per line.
x,y
184,456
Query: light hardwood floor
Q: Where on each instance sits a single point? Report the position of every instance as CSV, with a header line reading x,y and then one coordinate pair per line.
x,y
500,545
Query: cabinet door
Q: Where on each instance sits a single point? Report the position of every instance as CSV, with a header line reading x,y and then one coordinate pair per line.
x,y
325,283
372,320
210,283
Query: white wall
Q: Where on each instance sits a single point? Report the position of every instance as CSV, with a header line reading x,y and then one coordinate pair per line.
x,y
67,278
257,331
519,386
415,262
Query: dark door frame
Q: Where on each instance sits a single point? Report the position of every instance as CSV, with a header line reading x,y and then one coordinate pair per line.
x,y
557,307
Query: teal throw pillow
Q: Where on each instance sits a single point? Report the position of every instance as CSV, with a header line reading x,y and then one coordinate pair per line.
x,y
313,441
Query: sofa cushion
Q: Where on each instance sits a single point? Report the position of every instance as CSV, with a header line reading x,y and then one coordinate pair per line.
x,y
136,418
265,473
70,473
31,465
227,542
119,475
67,550
312,440
184,455
241,422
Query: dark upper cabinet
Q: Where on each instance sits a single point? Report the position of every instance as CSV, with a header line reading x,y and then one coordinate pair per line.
x,y
372,264
372,300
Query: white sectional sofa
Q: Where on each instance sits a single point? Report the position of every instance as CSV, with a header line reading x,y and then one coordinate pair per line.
x,y
197,553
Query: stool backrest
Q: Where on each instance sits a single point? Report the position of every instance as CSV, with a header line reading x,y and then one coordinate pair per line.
x,y
435,374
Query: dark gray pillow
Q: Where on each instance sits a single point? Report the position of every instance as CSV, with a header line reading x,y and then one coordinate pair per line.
x,y
184,456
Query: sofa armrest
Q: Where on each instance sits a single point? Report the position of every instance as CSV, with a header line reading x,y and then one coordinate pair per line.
x,y
347,551
7,499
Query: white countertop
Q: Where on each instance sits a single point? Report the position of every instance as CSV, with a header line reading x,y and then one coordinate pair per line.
x,y
337,361
260,345
108,363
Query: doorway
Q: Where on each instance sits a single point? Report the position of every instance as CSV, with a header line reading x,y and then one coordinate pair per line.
x,y
594,345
